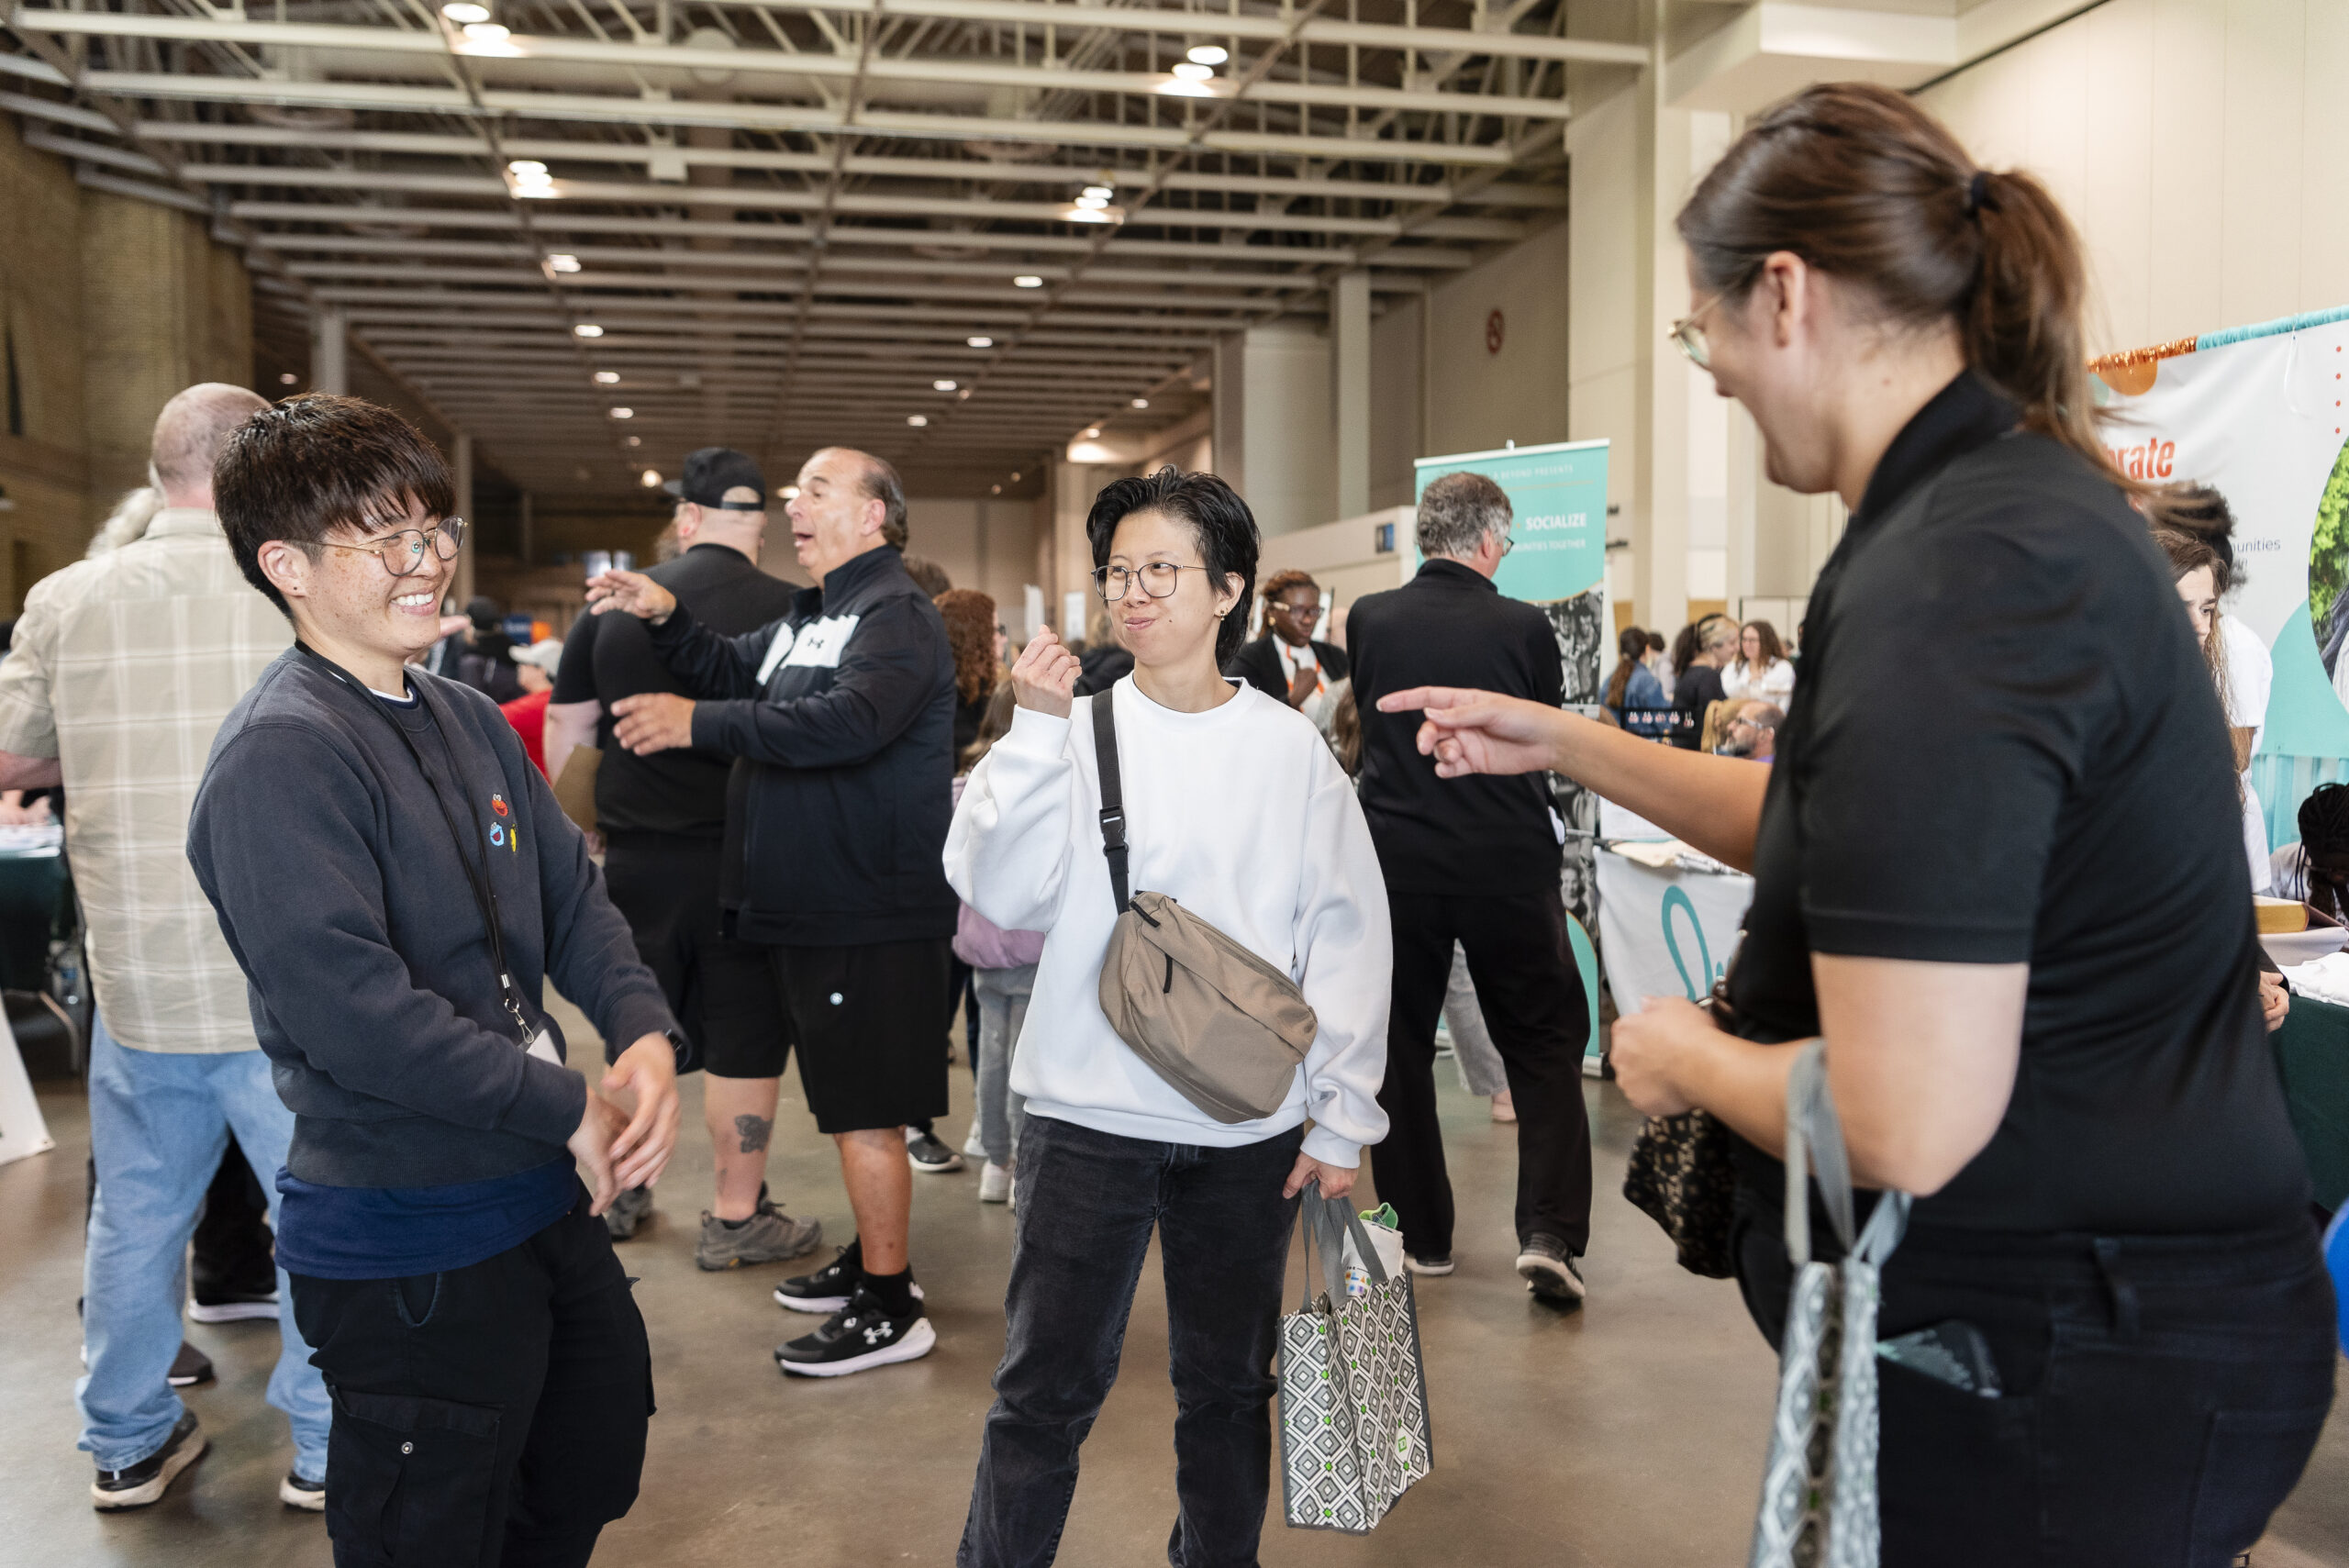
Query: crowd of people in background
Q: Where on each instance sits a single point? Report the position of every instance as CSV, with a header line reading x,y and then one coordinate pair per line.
x,y
735,820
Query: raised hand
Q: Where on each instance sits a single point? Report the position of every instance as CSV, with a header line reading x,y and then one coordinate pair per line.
x,y
633,593
1480,732
1044,675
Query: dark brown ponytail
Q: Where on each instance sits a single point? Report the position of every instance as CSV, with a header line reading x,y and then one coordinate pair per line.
x,y
1863,185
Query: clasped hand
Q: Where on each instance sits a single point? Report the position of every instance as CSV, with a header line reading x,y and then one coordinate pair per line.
x,y
1044,675
617,1150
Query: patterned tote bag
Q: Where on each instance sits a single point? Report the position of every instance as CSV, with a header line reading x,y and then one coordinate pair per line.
x,y
1354,1401
1819,1495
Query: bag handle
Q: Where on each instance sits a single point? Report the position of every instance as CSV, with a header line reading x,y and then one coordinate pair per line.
x,y
1815,1137
1113,794
1333,1219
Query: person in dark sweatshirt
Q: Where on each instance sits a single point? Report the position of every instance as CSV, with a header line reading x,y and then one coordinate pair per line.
x,y
845,711
398,884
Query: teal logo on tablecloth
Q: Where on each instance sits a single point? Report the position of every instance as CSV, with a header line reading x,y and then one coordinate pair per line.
x,y
1701,986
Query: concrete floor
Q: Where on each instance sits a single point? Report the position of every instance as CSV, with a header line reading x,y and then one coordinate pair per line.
x,y
1628,1435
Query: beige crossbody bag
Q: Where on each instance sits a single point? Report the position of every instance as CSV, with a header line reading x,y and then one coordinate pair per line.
x,y
1224,1028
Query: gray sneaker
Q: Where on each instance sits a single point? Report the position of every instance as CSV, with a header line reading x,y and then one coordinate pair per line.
x,y
1549,1271
630,1210
769,1236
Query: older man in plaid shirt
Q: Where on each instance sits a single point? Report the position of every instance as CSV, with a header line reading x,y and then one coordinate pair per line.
x,y
121,669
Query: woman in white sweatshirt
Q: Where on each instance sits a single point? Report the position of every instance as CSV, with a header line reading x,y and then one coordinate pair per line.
x,y
1235,808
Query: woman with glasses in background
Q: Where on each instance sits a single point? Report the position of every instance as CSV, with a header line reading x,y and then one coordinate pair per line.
x,y
1235,808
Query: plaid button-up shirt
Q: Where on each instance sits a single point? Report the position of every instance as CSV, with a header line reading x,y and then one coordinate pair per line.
x,y
122,668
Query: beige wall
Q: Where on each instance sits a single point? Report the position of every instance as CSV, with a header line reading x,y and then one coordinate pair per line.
x,y
2200,145
1477,398
987,545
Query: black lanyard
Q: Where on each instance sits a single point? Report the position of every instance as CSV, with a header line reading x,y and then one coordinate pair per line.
x,y
478,879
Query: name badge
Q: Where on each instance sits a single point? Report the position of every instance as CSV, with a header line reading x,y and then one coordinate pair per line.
x,y
542,1046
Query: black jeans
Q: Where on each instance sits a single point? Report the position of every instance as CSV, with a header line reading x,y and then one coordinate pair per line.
x,y
2161,1393
491,1417
1531,996
1087,1202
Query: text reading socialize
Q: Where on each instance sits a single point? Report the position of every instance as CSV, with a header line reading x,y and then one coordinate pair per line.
x,y
1539,521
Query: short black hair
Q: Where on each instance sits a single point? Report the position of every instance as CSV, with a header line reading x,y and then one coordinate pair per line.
x,y
305,467
1219,520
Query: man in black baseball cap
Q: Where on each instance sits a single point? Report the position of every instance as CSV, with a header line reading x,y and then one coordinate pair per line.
x,y
663,818
721,478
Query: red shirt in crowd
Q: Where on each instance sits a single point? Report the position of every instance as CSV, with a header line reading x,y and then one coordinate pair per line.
x,y
527,715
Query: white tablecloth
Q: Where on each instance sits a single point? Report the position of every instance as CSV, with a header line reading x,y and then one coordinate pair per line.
x,y
1665,933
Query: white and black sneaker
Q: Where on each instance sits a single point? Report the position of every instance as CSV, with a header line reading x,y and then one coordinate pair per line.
x,y
860,1336
147,1480
926,1154
829,1287
310,1497
1548,1269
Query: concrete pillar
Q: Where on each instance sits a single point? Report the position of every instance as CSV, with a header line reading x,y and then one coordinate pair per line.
x,y
330,351
461,465
1227,387
1350,389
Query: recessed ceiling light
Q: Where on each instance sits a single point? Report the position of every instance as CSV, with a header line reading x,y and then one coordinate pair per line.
x,y
942,386
1192,71
1028,281
1015,479
623,413
1095,431
1181,87
962,395
1141,402
463,11
1096,202
790,493
996,490
608,378
525,168
1209,54
650,479
980,342
563,263
918,420
586,329
635,440
1097,193
287,378
487,33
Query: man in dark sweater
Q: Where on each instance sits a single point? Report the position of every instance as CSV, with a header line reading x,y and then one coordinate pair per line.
x,y
396,882
665,822
845,710
1475,861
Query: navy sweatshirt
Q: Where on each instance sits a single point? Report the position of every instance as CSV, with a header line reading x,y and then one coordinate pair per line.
x,y
845,711
340,892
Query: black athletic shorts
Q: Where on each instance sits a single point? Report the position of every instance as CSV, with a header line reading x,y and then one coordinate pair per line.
x,y
723,991
870,1024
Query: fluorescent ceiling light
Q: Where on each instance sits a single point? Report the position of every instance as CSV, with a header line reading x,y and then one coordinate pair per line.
x,y
492,33
1209,54
1189,69
1141,402
980,342
650,479
1093,203
623,413
527,169
1093,432
1028,281
942,386
586,329
790,493
1097,193
608,378
559,262
463,12
918,420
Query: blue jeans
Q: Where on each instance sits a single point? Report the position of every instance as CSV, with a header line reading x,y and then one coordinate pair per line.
x,y
1088,1202
159,1123
1003,1007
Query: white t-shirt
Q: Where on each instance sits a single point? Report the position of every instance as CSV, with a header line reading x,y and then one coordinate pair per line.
x,y
1775,684
2251,672
1243,816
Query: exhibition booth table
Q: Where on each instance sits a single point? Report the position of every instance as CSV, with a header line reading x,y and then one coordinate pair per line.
x,y
1668,919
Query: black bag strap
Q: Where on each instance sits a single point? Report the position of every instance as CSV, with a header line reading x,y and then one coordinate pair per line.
x,y
1113,802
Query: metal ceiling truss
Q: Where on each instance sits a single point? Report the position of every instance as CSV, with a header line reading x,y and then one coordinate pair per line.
x,y
778,222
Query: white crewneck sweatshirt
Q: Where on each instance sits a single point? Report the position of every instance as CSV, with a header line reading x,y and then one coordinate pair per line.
x,y
1241,816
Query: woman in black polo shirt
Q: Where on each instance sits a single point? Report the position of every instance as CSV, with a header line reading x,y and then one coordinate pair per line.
x,y
1997,865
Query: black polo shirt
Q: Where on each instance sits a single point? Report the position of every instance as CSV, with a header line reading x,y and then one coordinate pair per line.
x,y
2006,749
609,657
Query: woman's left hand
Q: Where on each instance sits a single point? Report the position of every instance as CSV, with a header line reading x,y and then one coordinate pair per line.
x,y
2274,1002
1335,1180
1649,1049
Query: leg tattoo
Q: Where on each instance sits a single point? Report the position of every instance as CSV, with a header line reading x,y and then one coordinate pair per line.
x,y
756,1131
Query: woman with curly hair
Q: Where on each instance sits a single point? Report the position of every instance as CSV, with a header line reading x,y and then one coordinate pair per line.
x,y
977,640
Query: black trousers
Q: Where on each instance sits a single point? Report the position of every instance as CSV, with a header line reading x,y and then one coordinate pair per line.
x,y
491,1417
2161,1394
1524,972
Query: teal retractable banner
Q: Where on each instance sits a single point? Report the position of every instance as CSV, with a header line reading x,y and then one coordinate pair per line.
x,y
1559,495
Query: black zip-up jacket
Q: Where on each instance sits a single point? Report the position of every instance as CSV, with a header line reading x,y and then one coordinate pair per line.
x,y
340,891
845,710
1450,627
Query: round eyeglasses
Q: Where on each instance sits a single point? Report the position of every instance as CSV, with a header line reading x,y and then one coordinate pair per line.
x,y
1158,579
402,552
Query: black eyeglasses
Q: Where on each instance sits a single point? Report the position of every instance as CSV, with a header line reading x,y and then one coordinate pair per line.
x,y
402,552
1158,579
1305,612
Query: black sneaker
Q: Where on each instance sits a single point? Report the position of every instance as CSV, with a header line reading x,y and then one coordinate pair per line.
x,y
925,1154
860,1336
829,1289
1548,1269
147,1480
310,1497
190,1367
